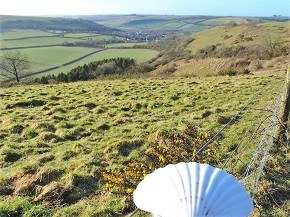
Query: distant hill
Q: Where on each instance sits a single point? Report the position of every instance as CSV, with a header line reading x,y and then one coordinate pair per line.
x,y
174,23
58,24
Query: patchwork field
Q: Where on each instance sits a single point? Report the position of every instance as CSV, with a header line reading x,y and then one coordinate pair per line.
x,y
23,33
43,58
140,55
56,139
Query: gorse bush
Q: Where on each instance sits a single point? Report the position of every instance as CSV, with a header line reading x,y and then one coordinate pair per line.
x,y
233,72
229,72
168,147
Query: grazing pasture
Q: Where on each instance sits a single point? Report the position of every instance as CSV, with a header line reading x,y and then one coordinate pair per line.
x,y
31,42
23,33
42,58
140,55
56,139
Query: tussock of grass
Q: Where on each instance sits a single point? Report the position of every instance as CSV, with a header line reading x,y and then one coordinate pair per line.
x,y
62,141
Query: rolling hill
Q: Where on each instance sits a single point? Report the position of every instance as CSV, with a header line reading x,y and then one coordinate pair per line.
x,y
257,47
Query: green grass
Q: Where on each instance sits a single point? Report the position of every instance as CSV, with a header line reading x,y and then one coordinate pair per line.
x,y
124,44
42,58
22,33
80,35
224,20
35,42
55,139
140,55
259,33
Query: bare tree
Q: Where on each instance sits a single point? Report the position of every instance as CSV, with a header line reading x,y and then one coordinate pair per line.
x,y
13,64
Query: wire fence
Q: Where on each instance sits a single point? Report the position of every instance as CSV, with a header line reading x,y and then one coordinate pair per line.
x,y
261,131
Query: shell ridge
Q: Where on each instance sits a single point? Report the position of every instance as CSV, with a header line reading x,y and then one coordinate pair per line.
x,y
176,178
183,176
192,167
215,187
206,174
197,196
189,197
211,185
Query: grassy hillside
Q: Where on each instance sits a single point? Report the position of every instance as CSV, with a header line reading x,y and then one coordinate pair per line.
x,y
249,35
257,47
56,139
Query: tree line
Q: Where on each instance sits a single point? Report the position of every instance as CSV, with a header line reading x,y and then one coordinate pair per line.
x,y
91,71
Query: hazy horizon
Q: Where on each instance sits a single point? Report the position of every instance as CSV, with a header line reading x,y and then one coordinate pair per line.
x,y
149,7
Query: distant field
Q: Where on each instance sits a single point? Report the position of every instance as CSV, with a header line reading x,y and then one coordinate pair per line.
x,y
95,37
31,38
140,55
223,21
42,58
46,57
80,35
147,22
21,33
124,44
35,42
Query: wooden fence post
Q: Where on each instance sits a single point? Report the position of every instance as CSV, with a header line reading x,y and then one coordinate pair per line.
x,y
285,109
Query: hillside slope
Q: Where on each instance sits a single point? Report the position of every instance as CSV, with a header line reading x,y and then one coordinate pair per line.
x,y
55,140
257,47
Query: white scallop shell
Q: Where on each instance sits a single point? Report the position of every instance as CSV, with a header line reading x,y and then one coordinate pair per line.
x,y
192,189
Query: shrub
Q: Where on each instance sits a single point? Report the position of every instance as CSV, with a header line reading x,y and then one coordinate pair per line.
x,y
245,72
232,24
168,147
229,72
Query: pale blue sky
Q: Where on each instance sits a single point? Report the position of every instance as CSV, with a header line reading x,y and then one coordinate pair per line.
x,y
174,7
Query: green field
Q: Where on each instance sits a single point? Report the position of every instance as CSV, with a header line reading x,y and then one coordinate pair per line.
x,y
140,55
36,42
55,139
124,44
224,20
80,35
43,58
22,33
